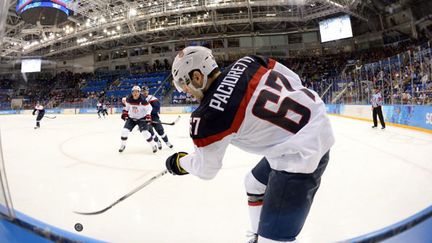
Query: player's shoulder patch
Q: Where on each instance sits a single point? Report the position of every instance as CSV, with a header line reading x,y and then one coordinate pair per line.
x,y
152,99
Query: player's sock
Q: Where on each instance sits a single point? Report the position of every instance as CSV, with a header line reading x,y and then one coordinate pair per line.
x,y
252,237
123,143
149,139
255,193
254,214
154,146
159,144
165,139
169,144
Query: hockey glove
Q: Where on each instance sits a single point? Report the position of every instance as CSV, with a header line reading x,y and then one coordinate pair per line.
x,y
173,164
124,115
148,119
34,112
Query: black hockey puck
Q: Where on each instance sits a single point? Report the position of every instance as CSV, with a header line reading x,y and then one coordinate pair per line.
x,y
78,227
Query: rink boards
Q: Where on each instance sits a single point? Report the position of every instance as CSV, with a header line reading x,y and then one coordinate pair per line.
x,y
343,153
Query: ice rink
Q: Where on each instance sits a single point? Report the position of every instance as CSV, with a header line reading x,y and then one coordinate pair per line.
x,y
374,178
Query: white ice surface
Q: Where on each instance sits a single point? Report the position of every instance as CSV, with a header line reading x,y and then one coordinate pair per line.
x,y
374,178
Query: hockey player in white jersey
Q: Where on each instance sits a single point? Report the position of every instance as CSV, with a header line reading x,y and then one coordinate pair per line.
x,y
137,111
99,109
260,106
40,110
105,108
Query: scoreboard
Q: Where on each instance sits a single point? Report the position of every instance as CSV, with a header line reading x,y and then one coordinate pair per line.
x,y
47,12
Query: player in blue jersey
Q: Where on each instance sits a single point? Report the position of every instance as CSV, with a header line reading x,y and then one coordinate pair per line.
x,y
260,106
154,102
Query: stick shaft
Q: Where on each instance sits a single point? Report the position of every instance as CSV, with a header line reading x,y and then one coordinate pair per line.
x,y
126,195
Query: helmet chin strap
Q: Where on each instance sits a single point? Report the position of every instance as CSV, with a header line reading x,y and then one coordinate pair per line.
x,y
198,92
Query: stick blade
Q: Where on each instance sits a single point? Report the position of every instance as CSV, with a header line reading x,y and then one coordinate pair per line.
x,y
92,213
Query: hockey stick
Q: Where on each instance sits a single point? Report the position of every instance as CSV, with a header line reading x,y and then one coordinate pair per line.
x,y
125,196
168,123
50,117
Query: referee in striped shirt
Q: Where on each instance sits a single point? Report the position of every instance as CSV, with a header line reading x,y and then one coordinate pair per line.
x,y
377,101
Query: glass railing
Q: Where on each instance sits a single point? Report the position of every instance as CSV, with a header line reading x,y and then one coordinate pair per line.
x,y
6,208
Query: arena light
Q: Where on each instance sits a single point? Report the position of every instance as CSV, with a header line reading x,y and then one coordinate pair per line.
x,y
118,27
132,12
334,3
271,15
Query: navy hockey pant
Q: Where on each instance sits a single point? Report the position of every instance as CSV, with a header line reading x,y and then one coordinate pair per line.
x,y
142,125
287,199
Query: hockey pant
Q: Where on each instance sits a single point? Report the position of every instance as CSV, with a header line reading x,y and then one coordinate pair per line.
x,y
279,201
39,117
144,128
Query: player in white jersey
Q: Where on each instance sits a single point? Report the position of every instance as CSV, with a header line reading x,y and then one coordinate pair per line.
x,y
260,106
40,110
105,109
137,112
99,109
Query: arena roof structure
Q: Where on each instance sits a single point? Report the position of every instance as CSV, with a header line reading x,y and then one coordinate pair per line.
x,y
100,25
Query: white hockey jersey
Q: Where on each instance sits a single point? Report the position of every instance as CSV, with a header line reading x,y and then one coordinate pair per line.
x,y
137,109
260,106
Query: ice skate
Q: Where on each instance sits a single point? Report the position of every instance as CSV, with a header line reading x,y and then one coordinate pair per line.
x,y
252,237
154,146
169,144
122,148
159,144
